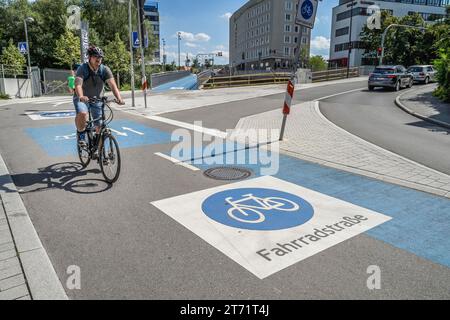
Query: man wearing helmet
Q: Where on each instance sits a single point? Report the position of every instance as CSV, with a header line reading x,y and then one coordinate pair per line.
x,y
89,83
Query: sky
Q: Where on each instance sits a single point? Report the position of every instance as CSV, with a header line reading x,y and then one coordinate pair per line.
x,y
204,25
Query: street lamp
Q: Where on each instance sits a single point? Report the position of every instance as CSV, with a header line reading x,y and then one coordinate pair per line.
x,y
350,39
179,58
164,54
383,37
28,19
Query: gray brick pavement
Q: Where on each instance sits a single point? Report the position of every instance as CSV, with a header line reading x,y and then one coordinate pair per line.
x,y
12,280
310,136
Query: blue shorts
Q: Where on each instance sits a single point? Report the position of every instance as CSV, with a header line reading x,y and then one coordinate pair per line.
x,y
95,108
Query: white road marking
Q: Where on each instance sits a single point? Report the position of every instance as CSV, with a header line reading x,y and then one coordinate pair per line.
x,y
339,94
177,162
189,126
123,134
137,132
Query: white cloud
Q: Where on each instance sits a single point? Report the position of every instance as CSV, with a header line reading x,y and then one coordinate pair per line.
x,y
221,47
226,15
320,43
191,45
225,54
190,37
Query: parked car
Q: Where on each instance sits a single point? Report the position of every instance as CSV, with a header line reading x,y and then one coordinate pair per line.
x,y
395,77
423,73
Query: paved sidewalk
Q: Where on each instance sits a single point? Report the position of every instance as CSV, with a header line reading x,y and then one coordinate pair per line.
x,y
421,103
25,269
310,136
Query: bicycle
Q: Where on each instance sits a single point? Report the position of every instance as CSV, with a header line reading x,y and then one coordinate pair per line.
x,y
101,146
244,212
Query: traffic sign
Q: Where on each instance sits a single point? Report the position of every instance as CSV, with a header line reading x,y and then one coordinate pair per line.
x,y
306,14
136,40
23,48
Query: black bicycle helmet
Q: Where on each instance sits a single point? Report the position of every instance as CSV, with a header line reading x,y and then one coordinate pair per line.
x,y
95,51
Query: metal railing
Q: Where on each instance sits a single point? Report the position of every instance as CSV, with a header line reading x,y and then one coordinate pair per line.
x,y
247,80
334,74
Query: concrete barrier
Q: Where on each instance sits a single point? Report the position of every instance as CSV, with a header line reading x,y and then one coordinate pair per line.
x,y
19,88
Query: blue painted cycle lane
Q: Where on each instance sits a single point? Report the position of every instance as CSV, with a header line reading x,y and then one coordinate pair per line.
x,y
420,221
186,83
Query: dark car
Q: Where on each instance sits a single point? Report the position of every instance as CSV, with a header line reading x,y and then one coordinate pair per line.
x,y
395,77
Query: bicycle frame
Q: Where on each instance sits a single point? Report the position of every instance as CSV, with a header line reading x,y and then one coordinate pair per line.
x,y
260,201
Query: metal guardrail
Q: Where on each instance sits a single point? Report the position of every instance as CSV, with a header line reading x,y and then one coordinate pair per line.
x,y
247,80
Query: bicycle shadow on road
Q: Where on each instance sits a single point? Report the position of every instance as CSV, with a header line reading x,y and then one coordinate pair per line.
x,y
64,176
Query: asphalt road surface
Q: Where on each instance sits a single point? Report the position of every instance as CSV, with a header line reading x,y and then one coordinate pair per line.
x,y
373,116
128,249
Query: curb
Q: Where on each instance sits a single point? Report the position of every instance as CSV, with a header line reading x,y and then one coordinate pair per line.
x,y
42,280
418,115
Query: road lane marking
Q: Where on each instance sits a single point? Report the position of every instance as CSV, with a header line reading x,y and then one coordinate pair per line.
x,y
338,94
177,162
189,126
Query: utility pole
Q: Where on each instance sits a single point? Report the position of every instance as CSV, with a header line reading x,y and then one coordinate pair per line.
x,y
164,54
29,19
179,58
140,5
350,40
130,30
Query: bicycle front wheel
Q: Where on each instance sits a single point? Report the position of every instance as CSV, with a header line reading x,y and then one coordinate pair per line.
x,y
109,158
83,151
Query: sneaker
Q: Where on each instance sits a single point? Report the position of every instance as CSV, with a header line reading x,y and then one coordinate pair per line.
x,y
82,140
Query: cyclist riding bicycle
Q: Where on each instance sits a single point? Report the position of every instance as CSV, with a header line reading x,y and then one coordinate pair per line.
x,y
89,84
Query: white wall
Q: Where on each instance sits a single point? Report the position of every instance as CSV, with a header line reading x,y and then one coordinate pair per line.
x,y
11,87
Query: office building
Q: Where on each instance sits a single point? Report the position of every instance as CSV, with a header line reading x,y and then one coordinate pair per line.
x,y
263,35
344,16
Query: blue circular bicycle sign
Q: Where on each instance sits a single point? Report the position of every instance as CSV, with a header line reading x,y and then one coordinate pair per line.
x,y
258,209
307,9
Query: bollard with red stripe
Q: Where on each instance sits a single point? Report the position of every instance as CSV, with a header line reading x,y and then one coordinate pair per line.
x,y
288,98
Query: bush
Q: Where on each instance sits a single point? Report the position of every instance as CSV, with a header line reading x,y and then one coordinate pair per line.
x,y
4,96
442,65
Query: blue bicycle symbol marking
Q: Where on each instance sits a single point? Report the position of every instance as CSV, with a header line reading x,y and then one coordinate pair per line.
x,y
307,9
258,209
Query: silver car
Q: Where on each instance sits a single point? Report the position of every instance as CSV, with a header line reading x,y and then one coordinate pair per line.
x,y
423,73
395,77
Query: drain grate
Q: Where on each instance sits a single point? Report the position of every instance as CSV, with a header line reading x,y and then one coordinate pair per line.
x,y
228,173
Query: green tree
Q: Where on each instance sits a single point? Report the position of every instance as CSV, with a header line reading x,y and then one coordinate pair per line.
x,y
318,63
13,59
117,57
67,50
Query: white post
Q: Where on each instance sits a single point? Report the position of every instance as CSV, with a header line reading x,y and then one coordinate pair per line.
x,y
28,54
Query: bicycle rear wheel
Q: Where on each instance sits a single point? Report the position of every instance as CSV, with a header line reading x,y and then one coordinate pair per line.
x,y
109,158
83,152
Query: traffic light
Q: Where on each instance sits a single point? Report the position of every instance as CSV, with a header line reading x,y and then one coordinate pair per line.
x,y
219,54
379,51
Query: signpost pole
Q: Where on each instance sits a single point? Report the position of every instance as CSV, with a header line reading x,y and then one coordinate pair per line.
x,y
130,30
306,15
141,46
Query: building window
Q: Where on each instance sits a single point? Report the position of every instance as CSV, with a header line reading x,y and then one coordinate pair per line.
x,y
287,39
296,29
287,51
342,31
288,5
288,17
287,28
